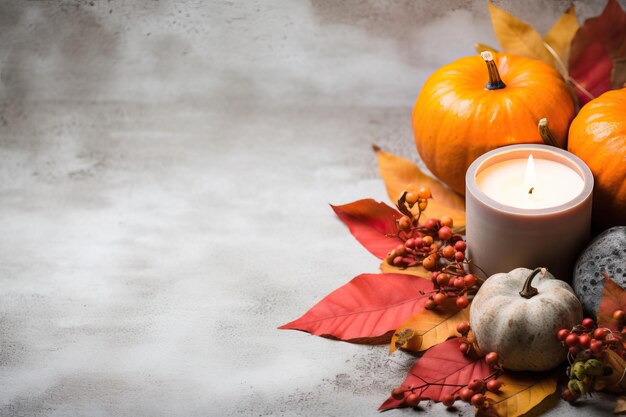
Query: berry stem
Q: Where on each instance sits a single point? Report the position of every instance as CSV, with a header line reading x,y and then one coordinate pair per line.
x,y
495,82
529,291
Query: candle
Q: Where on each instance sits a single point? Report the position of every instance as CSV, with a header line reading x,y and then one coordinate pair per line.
x,y
528,206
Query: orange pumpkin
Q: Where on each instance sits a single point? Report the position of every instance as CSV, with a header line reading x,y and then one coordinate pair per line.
x,y
466,109
598,137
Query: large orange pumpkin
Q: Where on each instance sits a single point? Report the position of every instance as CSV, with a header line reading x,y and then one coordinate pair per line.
x,y
465,109
598,137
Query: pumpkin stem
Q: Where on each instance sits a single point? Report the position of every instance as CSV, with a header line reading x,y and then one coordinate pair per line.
x,y
546,134
529,291
495,82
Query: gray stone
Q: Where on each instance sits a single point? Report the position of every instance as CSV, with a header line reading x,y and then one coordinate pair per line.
x,y
606,253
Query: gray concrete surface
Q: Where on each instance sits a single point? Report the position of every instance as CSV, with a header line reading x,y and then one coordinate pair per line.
x,y
165,169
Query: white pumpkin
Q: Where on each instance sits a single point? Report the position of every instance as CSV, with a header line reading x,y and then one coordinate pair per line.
x,y
520,322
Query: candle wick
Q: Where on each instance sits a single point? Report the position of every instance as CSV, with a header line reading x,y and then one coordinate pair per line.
x,y
531,190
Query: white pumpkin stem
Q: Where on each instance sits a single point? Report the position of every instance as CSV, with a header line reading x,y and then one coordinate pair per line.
x,y
529,291
495,82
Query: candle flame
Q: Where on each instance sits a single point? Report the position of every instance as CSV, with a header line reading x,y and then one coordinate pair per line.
x,y
530,174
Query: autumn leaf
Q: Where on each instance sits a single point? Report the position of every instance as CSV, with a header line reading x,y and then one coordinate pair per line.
x,y
517,37
598,53
441,364
519,394
429,328
613,298
481,47
372,223
367,309
616,382
620,405
559,37
401,175
418,271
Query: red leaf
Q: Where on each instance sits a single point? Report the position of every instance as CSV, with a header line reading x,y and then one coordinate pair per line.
x,y
613,298
442,364
367,309
370,222
597,46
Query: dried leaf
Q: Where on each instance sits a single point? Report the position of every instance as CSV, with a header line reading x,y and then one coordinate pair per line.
x,y
517,37
598,45
372,223
620,405
367,309
429,328
616,382
418,271
481,47
441,364
401,175
560,36
519,394
613,298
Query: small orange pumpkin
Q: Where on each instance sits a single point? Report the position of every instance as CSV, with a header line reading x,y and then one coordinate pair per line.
x,y
598,137
466,109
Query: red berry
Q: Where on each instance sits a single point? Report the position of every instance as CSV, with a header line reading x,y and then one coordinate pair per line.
x,y
412,400
494,385
466,394
562,334
431,224
448,400
433,276
568,395
459,256
462,302
430,305
404,223
572,339
398,393
618,315
464,347
446,221
448,252
600,333
584,340
589,323
418,242
427,240
492,359
445,233
460,246
410,243
574,350
439,298
470,280
478,400
400,250
596,346
476,385
459,283
443,280
463,327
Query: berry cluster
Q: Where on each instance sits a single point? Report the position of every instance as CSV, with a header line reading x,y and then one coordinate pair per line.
x,y
435,246
586,344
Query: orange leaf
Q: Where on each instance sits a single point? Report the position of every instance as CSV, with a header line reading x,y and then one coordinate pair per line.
x,y
519,394
481,47
561,34
418,271
613,298
430,328
517,37
400,175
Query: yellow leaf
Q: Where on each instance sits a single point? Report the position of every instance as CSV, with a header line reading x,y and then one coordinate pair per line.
x,y
418,271
620,405
431,328
400,175
560,36
481,47
519,394
518,37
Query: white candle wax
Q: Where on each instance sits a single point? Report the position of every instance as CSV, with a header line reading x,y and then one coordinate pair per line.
x,y
507,182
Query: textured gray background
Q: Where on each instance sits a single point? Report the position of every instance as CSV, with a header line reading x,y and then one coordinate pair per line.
x,y
165,169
